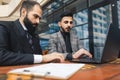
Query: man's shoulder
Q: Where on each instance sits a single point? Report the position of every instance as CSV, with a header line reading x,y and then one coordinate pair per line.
x,y
6,23
54,34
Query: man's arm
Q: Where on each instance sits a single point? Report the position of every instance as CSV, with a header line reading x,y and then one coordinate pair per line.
x,y
53,46
81,51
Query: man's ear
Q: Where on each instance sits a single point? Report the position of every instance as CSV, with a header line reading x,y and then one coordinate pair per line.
x,y
23,12
59,24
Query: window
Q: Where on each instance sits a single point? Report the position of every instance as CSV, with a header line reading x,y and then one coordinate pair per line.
x,y
100,27
118,6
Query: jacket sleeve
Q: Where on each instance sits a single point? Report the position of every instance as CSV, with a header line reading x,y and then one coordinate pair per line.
x,y
52,46
7,56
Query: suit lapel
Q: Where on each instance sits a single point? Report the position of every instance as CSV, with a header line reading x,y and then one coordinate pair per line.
x,y
21,33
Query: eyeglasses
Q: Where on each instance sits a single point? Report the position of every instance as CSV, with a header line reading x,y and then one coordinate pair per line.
x,y
66,22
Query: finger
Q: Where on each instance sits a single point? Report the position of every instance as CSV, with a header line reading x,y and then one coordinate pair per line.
x,y
61,56
76,55
88,54
60,59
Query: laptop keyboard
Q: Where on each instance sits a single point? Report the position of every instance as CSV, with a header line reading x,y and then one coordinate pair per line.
x,y
83,59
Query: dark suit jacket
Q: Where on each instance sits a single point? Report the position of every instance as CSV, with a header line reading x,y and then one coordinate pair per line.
x,y
14,47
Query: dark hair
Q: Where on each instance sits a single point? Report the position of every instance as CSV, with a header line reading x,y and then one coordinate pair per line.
x,y
68,14
28,5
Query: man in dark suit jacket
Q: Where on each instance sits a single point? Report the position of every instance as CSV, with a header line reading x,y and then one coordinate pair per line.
x,y
65,41
15,48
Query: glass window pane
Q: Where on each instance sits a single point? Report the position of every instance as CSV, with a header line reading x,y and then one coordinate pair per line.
x,y
101,21
81,17
118,6
81,27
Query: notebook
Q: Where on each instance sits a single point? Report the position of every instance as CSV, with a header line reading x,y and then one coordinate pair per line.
x,y
109,51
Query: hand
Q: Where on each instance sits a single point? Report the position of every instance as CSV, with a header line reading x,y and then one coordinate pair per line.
x,y
81,52
53,56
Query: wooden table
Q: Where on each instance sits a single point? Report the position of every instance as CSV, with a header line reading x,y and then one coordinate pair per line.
x,y
107,71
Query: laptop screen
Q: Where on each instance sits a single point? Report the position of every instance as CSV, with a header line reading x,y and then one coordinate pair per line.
x,y
111,47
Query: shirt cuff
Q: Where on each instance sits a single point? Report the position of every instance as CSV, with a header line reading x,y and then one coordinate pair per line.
x,y
37,58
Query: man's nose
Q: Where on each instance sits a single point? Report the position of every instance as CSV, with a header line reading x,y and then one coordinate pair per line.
x,y
69,24
38,20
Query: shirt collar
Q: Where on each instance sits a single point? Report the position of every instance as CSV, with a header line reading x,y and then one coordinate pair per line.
x,y
23,26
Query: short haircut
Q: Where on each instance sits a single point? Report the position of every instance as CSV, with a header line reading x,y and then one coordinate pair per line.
x,y
28,5
65,14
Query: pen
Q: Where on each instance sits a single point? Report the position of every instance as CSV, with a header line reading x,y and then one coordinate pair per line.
x,y
26,70
37,73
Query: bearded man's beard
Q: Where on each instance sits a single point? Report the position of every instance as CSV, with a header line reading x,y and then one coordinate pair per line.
x,y
63,30
30,27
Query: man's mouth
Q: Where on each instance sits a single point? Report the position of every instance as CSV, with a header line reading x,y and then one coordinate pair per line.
x,y
68,28
35,25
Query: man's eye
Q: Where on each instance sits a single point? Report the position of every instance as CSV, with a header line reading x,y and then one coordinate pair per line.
x,y
36,16
65,22
71,22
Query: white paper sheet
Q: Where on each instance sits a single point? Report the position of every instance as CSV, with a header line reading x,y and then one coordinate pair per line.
x,y
55,70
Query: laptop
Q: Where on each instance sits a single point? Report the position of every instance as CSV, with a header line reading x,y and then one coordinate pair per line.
x,y
109,51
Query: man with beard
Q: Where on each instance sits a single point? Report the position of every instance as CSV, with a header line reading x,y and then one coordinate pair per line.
x,y
65,41
15,48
